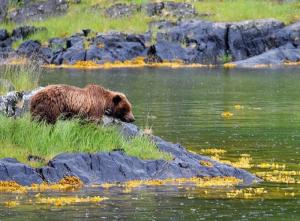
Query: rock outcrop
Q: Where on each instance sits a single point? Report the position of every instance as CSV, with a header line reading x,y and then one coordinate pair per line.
x,y
190,41
38,10
115,166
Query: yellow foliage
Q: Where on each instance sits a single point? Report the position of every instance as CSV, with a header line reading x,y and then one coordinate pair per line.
x,y
247,193
229,65
137,62
212,151
278,176
61,201
10,204
227,114
206,163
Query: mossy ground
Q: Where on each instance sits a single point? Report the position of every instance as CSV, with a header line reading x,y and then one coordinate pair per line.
x,y
87,15
20,138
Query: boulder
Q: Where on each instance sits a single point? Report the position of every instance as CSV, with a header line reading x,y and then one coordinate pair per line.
x,y
193,41
3,10
274,57
116,47
170,8
38,10
250,38
25,31
120,10
13,170
288,34
3,34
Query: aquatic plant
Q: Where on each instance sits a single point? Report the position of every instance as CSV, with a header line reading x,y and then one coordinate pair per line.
x,y
20,138
227,114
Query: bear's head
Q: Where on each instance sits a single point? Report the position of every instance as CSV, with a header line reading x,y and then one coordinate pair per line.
x,y
120,108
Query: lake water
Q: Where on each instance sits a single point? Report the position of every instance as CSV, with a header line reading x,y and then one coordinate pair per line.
x,y
186,106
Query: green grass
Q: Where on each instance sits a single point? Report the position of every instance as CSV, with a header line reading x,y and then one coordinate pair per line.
x,y
21,137
23,77
238,10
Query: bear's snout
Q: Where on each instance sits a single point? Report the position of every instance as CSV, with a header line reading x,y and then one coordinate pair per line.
x,y
129,118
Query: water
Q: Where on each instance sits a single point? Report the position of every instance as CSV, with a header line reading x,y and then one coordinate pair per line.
x,y
186,106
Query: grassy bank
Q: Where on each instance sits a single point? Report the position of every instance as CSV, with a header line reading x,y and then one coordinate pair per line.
x,y
20,138
88,14
21,77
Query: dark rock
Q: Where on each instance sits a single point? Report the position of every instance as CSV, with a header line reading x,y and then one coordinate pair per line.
x,y
38,10
57,44
173,9
25,31
288,34
3,34
116,47
3,10
29,48
72,55
76,41
6,43
154,9
120,10
193,41
274,57
250,38
12,170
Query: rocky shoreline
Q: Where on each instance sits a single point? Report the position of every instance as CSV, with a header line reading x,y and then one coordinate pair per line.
x,y
241,44
115,166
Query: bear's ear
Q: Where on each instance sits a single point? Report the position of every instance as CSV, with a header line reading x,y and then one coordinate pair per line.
x,y
116,99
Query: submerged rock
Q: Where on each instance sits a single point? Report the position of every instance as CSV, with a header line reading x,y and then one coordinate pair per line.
x,y
115,166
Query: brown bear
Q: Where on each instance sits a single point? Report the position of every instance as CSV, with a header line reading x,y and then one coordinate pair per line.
x,y
90,103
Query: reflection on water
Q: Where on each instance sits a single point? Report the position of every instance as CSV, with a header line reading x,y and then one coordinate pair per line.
x,y
192,106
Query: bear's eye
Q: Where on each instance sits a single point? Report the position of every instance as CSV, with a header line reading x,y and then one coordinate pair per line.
x,y
124,110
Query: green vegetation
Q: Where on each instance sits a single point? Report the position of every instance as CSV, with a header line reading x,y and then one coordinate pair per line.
x,y
89,15
22,77
21,137
238,10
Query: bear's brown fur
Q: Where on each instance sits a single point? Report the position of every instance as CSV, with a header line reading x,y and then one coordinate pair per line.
x,y
90,103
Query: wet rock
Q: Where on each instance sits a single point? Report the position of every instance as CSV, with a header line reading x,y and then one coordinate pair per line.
x,y
193,41
38,10
3,34
250,38
274,57
120,10
114,166
12,170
